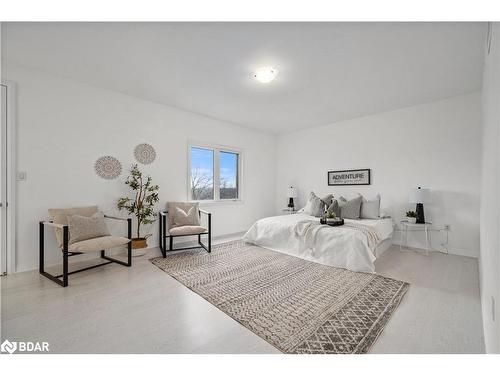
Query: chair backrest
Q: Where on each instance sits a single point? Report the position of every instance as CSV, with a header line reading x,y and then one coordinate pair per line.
x,y
60,216
185,206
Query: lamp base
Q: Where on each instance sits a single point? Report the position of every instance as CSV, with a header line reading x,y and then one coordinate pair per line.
x,y
420,213
290,203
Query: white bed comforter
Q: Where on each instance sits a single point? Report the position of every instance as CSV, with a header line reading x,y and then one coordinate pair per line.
x,y
351,246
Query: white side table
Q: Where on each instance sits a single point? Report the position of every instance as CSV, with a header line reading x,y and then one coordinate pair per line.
x,y
416,227
289,211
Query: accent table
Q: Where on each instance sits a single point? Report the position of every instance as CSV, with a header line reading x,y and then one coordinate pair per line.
x,y
289,211
416,227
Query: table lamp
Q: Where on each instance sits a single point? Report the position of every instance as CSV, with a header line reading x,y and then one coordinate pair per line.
x,y
420,196
291,193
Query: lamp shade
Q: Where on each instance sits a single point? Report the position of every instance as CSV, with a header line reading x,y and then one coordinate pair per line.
x,y
420,195
291,192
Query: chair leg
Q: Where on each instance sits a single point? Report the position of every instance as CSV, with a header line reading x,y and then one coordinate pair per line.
x,y
129,245
65,256
129,254
41,261
160,240
170,243
209,233
164,239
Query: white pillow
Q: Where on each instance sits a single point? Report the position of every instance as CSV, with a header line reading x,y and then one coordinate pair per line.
x,y
316,206
83,228
190,217
370,209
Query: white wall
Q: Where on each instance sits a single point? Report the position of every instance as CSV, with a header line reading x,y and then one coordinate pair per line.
x,y
490,188
435,145
64,126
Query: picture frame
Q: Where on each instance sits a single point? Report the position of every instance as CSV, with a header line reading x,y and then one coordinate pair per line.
x,y
349,177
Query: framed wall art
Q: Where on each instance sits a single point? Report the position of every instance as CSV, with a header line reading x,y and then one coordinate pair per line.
x,y
349,177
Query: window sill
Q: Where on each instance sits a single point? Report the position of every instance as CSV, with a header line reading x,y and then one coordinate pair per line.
x,y
223,202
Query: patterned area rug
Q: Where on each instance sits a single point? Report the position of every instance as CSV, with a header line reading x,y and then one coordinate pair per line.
x,y
296,305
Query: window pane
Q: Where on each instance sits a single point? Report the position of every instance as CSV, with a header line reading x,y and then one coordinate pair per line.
x,y
202,174
228,175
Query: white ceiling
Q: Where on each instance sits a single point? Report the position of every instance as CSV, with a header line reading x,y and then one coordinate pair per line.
x,y
327,71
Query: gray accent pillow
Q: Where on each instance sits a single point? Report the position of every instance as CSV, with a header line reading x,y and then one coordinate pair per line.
x,y
334,207
370,209
350,209
83,228
316,206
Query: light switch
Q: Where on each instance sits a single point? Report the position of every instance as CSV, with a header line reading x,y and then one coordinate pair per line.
x,y
21,176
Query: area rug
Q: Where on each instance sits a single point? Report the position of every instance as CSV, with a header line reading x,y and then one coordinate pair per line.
x,y
296,305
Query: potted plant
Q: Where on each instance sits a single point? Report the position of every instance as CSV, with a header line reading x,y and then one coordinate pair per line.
x,y
331,219
330,214
142,205
411,216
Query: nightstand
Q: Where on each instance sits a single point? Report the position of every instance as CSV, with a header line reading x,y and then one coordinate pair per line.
x,y
416,227
289,211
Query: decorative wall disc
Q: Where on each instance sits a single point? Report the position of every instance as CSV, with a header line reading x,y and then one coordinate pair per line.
x,y
108,167
145,153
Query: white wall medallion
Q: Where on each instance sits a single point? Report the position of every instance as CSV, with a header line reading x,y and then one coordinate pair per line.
x,y
145,153
108,167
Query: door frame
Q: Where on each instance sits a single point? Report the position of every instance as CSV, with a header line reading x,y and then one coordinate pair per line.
x,y
11,174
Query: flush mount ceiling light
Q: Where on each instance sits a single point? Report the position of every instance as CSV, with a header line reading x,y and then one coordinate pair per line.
x,y
265,74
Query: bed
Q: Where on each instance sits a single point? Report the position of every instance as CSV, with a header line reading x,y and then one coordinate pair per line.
x,y
354,246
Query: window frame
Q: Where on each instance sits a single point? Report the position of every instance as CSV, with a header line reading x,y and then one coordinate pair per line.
x,y
217,149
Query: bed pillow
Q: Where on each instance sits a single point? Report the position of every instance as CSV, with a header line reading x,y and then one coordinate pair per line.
x,y
370,209
316,206
334,207
350,209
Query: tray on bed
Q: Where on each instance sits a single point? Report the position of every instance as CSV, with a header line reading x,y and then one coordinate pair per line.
x,y
332,221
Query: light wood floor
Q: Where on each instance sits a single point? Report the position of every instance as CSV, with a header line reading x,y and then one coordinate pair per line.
x,y
114,309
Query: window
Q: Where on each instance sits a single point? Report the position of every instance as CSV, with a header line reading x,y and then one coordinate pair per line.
x,y
202,174
214,174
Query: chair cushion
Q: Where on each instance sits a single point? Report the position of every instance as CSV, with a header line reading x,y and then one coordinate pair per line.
x,y
83,228
60,216
99,243
187,230
183,213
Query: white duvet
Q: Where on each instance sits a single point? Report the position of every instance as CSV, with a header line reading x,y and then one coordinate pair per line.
x,y
351,246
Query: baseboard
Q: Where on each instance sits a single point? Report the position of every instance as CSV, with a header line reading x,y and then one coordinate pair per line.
x,y
441,249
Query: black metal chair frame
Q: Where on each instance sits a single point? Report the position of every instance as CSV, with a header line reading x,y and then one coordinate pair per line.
x,y
67,253
163,235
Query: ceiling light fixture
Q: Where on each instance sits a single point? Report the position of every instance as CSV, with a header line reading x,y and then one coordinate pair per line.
x,y
265,74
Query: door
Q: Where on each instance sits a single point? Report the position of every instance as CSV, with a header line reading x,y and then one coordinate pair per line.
x,y
3,184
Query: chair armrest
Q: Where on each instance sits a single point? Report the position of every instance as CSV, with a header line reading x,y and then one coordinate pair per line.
x,y
163,213
51,224
115,218
128,220
205,212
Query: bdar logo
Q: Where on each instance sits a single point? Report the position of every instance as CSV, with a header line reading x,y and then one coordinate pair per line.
x,y
8,346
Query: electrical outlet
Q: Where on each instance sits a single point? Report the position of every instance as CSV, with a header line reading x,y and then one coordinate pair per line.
x,y
22,176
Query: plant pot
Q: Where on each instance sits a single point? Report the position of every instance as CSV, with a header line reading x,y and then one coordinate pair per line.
x,y
139,243
411,220
139,246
